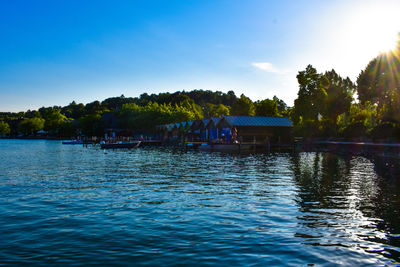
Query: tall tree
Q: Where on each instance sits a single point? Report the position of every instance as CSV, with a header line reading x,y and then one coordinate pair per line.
x,y
339,95
266,107
379,83
73,110
321,99
281,106
308,103
243,106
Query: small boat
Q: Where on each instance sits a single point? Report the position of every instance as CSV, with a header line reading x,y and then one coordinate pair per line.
x,y
72,142
133,144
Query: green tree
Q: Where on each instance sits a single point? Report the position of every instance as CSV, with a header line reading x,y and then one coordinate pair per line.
x,y
91,125
310,95
243,106
4,128
54,120
32,114
359,121
73,110
95,107
336,100
67,129
220,110
133,116
212,110
339,95
117,102
321,99
31,125
266,107
379,83
283,109
190,105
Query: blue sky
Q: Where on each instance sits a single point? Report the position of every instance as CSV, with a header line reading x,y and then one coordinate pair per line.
x,y
54,52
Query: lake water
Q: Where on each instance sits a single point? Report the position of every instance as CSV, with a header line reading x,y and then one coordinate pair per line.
x,y
67,205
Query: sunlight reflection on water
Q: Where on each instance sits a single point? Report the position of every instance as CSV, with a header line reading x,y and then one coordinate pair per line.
x,y
74,205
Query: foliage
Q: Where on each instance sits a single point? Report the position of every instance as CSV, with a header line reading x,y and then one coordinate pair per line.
x,y
306,128
274,107
67,129
4,128
322,100
379,83
338,95
324,107
243,106
212,110
54,120
310,95
132,113
385,130
283,109
73,110
355,129
133,116
358,121
95,108
32,114
266,107
31,125
91,124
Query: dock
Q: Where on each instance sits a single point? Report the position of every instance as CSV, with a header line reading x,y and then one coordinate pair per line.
x,y
388,150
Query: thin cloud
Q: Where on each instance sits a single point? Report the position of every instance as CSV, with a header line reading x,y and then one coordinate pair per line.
x,y
268,67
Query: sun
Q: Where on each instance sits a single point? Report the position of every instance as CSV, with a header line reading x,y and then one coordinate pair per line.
x,y
375,26
384,42
384,35
362,32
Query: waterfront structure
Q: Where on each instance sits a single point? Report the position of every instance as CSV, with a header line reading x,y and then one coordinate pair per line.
x,y
198,130
229,129
212,129
276,130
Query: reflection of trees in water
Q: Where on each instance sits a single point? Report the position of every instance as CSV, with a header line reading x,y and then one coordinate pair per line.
x,y
387,202
344,201
320,177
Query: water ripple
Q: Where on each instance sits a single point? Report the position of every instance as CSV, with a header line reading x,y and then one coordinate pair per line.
x,y
157,206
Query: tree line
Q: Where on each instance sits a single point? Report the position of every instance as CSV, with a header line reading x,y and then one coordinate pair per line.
x,y
331,106
141,113
327,105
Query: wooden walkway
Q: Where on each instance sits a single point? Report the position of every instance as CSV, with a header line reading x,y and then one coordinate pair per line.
x,y
366,144
389,150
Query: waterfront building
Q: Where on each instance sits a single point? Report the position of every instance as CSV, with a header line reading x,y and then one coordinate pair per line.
x,y
212,130
256,129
